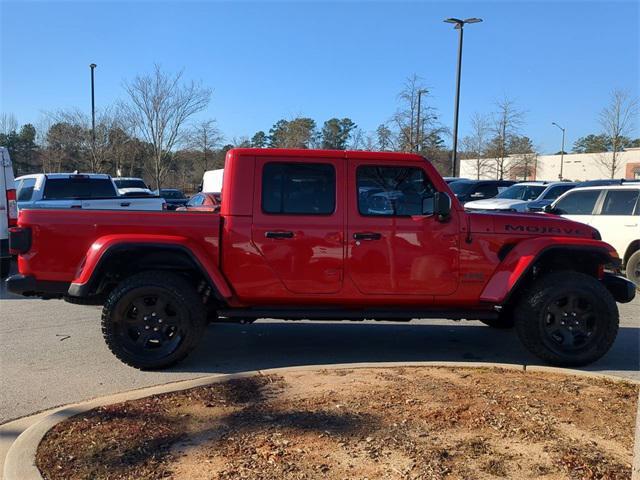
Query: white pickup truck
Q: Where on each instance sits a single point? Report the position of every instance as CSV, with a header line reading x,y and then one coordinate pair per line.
x,y
71,190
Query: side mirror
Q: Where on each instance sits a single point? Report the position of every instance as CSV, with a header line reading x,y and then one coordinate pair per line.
x,y
549,209
442,205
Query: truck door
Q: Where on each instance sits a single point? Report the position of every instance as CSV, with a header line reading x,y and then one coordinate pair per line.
x,y
298,221
578,205
618,218
395,245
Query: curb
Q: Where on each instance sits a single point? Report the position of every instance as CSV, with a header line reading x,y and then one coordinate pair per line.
x,y
20,460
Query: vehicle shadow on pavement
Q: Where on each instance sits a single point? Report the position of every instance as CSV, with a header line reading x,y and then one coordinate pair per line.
x,y
262,345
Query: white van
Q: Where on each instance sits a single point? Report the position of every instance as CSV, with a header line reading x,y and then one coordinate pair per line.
x,y
212,181
8,209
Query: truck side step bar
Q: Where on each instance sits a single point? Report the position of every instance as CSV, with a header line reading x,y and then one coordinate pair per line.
x,y
354,314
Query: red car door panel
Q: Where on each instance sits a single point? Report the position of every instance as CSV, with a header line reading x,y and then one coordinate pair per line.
x,y
400,254
298,222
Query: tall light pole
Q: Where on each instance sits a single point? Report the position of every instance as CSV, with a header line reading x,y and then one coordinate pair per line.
x,y
93,108
459,25
420,92
561,151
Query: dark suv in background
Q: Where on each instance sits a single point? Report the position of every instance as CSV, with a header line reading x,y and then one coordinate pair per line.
x,y
469,190
174,197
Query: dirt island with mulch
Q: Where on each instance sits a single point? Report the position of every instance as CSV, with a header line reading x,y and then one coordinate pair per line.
x,y
374,423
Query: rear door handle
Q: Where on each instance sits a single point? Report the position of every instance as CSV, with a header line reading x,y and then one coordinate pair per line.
x,y
367,236
278,234
125,204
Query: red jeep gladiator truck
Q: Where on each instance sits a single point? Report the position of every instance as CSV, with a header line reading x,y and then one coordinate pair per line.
x,y
330,235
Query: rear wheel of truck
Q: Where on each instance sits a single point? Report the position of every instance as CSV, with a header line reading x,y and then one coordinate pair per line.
x,y
567,319
153,320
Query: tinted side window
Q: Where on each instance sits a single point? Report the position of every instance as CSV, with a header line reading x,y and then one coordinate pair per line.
x,y
485,191
25,189
61,188
555,192
298,188
620,202
578,203
393,191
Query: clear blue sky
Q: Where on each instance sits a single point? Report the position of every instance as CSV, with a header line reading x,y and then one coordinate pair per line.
x,y
267,60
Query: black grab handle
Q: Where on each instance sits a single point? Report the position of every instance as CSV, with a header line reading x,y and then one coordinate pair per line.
x,y
279,234
367,236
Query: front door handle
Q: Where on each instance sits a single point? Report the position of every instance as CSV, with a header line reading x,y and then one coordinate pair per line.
x,y
278,234
367,236
125,204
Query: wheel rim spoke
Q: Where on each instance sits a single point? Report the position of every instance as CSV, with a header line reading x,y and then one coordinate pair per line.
x,y
141,307
152,325
569,322
143,338
160,306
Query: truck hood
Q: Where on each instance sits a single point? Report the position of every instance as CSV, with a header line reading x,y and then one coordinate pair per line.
x,y
494,204
135,191
531,224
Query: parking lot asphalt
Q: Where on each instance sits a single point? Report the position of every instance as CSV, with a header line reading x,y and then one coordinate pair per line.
x,y
52,352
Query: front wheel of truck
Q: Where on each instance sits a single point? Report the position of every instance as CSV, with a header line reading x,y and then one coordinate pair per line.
x,y
567,319
153,320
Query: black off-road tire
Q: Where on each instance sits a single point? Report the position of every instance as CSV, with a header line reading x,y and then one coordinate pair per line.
x,y
537,314
632,269
182,302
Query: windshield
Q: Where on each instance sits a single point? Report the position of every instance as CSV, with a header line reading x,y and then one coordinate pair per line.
x,y
130,183
460,188
174,194
522,192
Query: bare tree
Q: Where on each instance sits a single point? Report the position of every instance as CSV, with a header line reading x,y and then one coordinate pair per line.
x,y
8,123
357,140
616,120
505,122
159,106
95,156
362,140
369,142
204,137
475,144
405,118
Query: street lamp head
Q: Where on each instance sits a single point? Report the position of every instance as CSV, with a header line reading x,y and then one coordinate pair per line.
x,y
93,65
454,20
472,20
554,123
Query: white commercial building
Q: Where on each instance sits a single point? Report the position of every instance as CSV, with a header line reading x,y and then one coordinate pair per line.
x,y
575,166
